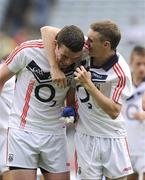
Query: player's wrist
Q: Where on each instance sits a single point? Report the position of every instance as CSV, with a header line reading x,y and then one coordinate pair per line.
x,y
54,65
89,86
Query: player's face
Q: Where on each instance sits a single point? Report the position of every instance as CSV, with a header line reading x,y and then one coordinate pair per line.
x,y
96,46
65,57
138,66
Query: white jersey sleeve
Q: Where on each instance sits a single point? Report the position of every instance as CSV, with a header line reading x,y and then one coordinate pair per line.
x,y
16,60
122,86
6,98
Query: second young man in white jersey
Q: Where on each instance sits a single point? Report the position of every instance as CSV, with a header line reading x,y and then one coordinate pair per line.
x,y
6,97
100,139
134,114
36,136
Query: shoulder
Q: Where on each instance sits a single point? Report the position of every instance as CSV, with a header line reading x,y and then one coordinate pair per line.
x,y
122,65
27,46
122,61
31,44
141,87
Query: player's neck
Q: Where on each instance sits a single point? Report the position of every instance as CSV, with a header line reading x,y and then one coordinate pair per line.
x,y
136,80
102,60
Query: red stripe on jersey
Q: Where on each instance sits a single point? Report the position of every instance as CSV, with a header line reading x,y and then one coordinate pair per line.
x,y
33,42
7,146
126,143
26,106
21,47
124,80
121,84
76,163
76,103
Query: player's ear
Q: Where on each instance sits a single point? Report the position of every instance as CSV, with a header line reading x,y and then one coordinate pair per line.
x,y
55,43
107,44
56,46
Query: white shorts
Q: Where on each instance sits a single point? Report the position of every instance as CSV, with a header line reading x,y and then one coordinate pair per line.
x,y
3,144
138,163
98,157
33,150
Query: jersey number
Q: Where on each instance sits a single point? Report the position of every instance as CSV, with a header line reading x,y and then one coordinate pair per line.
x,y
86,98
50,98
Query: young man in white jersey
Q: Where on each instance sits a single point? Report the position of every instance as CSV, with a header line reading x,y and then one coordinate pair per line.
x,y
6,97
100,139
135,116
36,136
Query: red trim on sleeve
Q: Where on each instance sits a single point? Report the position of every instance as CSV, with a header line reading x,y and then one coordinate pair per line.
x,y
121,83
21,47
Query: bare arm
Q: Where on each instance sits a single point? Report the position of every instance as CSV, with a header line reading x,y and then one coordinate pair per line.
x,y
108,105
5,74
48,34
143,102
139,116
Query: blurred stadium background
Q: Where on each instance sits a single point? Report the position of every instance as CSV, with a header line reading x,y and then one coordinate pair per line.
x,y
21,20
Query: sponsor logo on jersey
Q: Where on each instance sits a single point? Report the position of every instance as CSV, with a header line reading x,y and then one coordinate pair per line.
x,y
45,77
79,170
41,76
127,169
10,157
98,77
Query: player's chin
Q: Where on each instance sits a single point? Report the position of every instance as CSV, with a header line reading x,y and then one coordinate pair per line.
x,y
142,75
63,66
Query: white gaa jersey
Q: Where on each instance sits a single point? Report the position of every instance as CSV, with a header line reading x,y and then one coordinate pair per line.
x,y
38,102
6,98
113,79
135,128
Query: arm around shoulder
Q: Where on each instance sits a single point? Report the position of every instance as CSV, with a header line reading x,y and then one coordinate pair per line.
x,y
48,34
5,74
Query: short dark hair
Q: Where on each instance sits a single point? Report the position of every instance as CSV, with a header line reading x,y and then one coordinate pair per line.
x,y
72,37
109,31
138,50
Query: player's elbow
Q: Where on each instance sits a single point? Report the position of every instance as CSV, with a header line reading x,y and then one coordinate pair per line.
x,y
143,105
114,113
1,84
